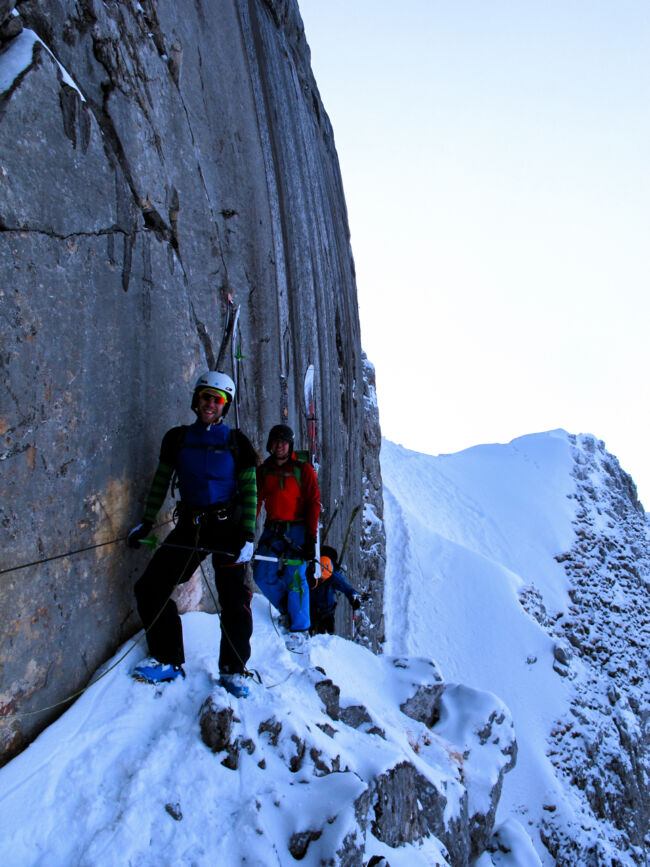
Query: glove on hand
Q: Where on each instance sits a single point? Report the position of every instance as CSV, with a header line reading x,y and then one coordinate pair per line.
x,y
246,553
308,550
138,533
355,603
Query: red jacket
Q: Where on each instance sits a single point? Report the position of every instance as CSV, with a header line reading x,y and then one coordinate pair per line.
x,y
284,498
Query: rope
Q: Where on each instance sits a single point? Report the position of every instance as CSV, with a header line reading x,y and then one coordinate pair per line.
x,y
253,673
247,672
72,553
280,682
81,691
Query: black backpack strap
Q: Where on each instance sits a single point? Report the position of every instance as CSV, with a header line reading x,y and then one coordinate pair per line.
x,y
233,445
172,444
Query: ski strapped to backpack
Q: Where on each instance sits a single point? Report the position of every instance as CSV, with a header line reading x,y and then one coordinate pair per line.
x,y
284,399
236,356
228,326
310,415
231,334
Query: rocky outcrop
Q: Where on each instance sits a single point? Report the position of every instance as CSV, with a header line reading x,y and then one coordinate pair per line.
x,y
452,711
155,159
440,784
601,750
369,623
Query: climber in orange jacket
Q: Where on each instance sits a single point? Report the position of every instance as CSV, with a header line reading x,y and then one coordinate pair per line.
x,y
288,490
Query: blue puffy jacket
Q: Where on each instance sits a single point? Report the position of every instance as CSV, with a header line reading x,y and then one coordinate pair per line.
x,y
323,596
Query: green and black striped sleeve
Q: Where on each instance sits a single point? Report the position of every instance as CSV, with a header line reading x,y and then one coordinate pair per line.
x,y
168,453
247,461
158,491
247,482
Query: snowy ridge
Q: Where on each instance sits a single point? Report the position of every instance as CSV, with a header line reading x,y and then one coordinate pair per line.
x,y
527,568
376,757
601,748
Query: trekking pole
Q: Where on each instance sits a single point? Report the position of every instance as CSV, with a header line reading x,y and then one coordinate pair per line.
x,y
355,511
277,560
153,543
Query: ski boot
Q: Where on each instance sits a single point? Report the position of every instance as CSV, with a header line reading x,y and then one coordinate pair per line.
x,y
235,684
152,671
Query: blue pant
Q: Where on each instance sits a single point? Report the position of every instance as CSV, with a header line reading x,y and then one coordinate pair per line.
x,y
286,586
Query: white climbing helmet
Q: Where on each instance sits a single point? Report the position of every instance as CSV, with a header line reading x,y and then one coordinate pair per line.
x,y
216,380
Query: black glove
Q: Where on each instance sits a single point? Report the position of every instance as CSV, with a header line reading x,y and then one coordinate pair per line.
x,y
355,603
138,533
308,550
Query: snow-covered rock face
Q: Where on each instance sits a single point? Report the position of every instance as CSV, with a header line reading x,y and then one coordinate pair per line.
x,y
370,621
155,157
480,728
601,748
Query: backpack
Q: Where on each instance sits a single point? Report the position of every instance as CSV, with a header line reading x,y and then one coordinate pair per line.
x,y
300,457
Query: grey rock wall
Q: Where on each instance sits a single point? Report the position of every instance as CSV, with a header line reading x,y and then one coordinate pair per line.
x,y
370,621
155,158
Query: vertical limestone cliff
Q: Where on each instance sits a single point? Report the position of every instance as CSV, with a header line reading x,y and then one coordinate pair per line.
x,y
155,158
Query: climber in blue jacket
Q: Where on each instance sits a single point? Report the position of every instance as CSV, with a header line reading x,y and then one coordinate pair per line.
x,y
323,596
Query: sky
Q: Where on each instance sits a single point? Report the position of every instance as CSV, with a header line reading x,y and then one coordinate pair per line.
x,y
494,156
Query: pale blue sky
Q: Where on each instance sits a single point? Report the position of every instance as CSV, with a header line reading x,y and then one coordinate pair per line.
x,y
495,164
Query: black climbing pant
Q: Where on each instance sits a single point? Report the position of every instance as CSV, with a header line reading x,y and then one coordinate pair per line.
x,y
171,566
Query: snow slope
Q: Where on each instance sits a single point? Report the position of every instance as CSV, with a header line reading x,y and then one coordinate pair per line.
x,y
476,528
124,777
475,580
